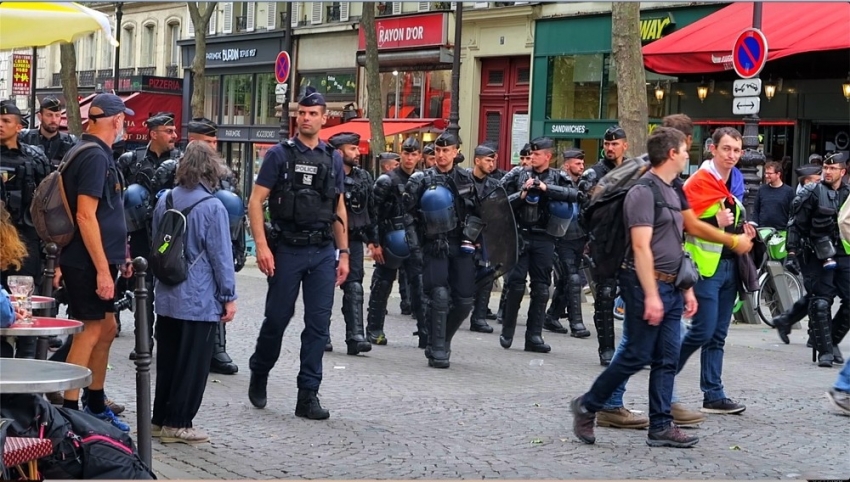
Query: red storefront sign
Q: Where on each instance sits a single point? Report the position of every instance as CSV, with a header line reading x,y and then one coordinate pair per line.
x,y
21,74
415,31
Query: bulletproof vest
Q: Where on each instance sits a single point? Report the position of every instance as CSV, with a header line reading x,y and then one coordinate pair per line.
x,y
304,197
534,215
397,191
141,169
460,183
20,174
54,149
357,188
825,215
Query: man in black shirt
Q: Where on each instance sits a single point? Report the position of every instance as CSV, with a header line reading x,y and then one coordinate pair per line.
x,y
773,199
55,144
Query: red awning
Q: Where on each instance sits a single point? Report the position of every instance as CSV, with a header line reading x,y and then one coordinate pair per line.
x,y
706,46
144,105
361,127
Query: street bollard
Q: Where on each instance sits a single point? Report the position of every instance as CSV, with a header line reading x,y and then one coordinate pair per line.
x,y
143,362
42,344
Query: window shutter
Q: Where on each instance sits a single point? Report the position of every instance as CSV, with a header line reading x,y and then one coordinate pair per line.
x,y
271,19
190,25
316,14
424,6
250,15
343,11
396,8
296,13
213,19
227,26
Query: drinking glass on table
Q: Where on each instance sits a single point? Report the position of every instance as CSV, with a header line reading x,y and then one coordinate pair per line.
x,y
22,288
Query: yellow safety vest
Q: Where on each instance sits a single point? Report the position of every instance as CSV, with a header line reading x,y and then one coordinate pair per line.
x,y
844,225
706,254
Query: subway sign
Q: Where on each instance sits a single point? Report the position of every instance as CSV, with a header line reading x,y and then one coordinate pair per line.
x,y
652,29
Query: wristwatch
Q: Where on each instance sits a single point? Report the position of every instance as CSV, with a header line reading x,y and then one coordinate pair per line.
x,y
346,251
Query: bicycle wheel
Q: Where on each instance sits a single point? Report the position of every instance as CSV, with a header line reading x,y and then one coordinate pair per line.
x,y
768,305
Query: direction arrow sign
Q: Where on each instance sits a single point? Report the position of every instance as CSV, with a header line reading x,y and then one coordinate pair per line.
x,y
746,105
746,87
749,53
282,67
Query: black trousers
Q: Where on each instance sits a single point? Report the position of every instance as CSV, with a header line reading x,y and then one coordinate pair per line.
x,y
182,367
535,262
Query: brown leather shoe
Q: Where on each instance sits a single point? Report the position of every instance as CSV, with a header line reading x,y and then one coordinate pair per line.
x,y
621,418
682,416
583,421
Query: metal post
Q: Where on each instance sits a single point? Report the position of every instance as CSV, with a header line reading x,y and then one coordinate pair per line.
x,y
143,362
51,251
396,74
119,14
454,116
33,82
287,45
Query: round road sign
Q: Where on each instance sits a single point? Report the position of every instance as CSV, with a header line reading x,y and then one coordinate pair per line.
x,y
750,53
281,67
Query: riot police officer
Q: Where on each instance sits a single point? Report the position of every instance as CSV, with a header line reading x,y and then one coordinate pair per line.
x,y
429,157
443,212
303,184
388,191
814,240
153,167
362,228
22,168
410,150
615,145
484,163
543,201
569,252
55,144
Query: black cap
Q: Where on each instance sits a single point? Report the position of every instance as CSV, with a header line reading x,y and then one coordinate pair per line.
x,y
835,158
8,107
614,132
203,126
447,139
311,98
388,156
541,143
808,170
410,145
573,153
429,150
485,150
107,105
343,138
525,151
51,103
160,119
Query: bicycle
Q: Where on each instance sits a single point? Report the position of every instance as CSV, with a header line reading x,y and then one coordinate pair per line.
x,y
768,302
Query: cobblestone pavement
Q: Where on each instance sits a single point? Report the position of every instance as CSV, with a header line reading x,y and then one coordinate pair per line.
x,y
494,414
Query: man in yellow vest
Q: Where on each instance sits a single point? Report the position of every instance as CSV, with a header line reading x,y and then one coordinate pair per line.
x,y
708,193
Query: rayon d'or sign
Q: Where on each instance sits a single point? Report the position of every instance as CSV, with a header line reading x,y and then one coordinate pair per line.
x,y
429,30
749,53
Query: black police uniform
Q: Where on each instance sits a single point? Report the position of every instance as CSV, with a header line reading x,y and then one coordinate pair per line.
x,y
606,289
304,184
22,168
812,237
483,187
448,277
537,255
388,197
155,172
569,253
54,147
362,228
409,145
524,152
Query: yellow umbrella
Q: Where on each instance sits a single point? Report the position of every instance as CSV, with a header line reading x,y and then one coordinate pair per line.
x,y
36,24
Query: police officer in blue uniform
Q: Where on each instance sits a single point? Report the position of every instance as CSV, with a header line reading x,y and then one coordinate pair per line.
x,y
443,213
153,167
303,184
542,200
362,228
22,168
55,144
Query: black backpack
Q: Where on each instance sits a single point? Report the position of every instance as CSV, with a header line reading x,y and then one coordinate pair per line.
x,y
167,260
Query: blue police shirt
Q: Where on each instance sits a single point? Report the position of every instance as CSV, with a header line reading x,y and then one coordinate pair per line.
x,y
272,167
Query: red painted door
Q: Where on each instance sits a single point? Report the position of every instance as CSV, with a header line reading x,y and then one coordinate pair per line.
x,y
504,97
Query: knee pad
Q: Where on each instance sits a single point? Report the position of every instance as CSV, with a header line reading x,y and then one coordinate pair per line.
x,y
820,306
440,298
539,292
574,279
606,292
353,289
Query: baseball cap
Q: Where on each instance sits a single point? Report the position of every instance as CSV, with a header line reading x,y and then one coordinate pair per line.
x,y
107,105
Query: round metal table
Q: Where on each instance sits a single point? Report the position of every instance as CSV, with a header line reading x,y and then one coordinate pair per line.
x,y
19,375
43,302
43,327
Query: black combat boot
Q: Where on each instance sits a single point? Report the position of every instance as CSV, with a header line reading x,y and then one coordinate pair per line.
x,y
308,405
603,318
437,351
786,320
380,293
513,299
221,361
501,311
536,313
478,320
577,328
352,311
819,321
458,312
257,390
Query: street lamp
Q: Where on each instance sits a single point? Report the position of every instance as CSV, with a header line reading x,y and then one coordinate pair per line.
x,y
769,89
845,87
702,92
454,115
119,13
659,92
395,74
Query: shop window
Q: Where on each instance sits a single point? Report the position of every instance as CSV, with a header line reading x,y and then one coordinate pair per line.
x,y
266,100
237,99
574,86
212,99
420,94
333,85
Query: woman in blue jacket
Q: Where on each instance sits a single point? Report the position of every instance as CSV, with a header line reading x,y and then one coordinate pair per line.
x,y
188,312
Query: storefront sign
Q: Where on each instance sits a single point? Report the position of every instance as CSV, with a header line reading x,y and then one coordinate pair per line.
x,y
265,133
21,74
409,32
226,52
654,28
583,129
230,55
228,133
566,129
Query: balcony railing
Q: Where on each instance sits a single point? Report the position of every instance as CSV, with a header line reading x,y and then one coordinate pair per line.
x,y
127,72
147,70
442,5
102,75
332,13
86,78
171,71
56,81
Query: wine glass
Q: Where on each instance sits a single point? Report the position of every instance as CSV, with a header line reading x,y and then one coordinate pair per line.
x,y
22,288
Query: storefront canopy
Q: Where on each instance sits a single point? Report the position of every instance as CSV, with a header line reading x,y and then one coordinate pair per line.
x,y
144,104
361,127
706,46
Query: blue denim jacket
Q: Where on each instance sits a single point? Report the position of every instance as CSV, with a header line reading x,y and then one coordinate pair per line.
x,y
212,278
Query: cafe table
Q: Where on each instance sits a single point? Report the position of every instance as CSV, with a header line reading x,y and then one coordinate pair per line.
x,y
21,375
43,327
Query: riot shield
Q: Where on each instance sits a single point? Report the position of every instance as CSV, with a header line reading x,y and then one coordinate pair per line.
x,y
500,245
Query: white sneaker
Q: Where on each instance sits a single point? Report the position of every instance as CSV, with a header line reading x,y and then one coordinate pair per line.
x,y
190,436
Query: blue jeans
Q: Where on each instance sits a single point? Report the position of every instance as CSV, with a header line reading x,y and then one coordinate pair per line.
x,y
710,325
842,383
615,401
658,345
314,269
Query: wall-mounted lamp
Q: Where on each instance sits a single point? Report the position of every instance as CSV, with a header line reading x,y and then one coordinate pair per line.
x,y
659,92
845,87
771,88
702,91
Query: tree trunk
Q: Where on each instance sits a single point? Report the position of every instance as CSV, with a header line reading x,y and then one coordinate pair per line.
x,y
632,107
201,21
377,142
68,74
